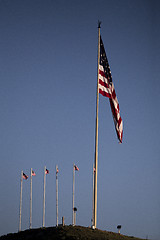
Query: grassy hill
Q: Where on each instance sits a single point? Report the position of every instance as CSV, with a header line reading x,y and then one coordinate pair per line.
x,y
65,233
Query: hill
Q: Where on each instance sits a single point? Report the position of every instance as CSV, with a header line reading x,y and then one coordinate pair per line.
x,y
65,233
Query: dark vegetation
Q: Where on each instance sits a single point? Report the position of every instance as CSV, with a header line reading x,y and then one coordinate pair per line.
x,y
65,233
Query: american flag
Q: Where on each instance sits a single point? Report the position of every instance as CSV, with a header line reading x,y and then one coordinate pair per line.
x,y
25,176
76,168
33,173
106,88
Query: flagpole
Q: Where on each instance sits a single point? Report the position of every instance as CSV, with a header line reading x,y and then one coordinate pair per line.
x,y
96,137
30,224
20,211
93,197
44,190
73,223
57,195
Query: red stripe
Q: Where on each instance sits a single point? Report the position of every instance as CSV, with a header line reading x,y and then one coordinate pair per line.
x,y
120,136
105,94
113,108
116,122
118,107
113,94
103,83
102,73
119,121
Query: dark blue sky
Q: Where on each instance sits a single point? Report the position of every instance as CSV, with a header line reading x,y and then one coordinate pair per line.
x,y
48,74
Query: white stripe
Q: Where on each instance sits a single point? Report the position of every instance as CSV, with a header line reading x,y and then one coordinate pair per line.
x,y
104,89
103,79
101,68
115,103
121,127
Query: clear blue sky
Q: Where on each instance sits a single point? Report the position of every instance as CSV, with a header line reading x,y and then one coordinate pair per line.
x,y
48,74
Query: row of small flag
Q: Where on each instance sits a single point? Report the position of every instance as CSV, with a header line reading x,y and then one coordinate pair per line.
x,y
46,172
26,177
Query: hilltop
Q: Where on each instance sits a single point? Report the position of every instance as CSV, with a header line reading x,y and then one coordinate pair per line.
x,y
65,233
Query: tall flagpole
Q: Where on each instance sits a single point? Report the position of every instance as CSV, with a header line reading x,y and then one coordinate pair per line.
x,y
57,195
44,192
93,196
20,211
96,137
73,223
30,224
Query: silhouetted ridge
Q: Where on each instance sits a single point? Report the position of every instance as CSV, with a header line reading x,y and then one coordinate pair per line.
x,y
65,233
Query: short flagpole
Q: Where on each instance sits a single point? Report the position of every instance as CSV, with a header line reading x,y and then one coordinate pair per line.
x,y
44,192
57,195
30,224
20,211
73,223
96,137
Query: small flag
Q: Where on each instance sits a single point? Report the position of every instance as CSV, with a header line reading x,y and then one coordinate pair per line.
x,y
25,176
47,171
106,88
76,168
33,173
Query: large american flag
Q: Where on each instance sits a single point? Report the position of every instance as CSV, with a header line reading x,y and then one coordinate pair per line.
x,y
106,88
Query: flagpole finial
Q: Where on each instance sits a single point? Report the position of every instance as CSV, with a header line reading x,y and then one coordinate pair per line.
x,y
99,24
